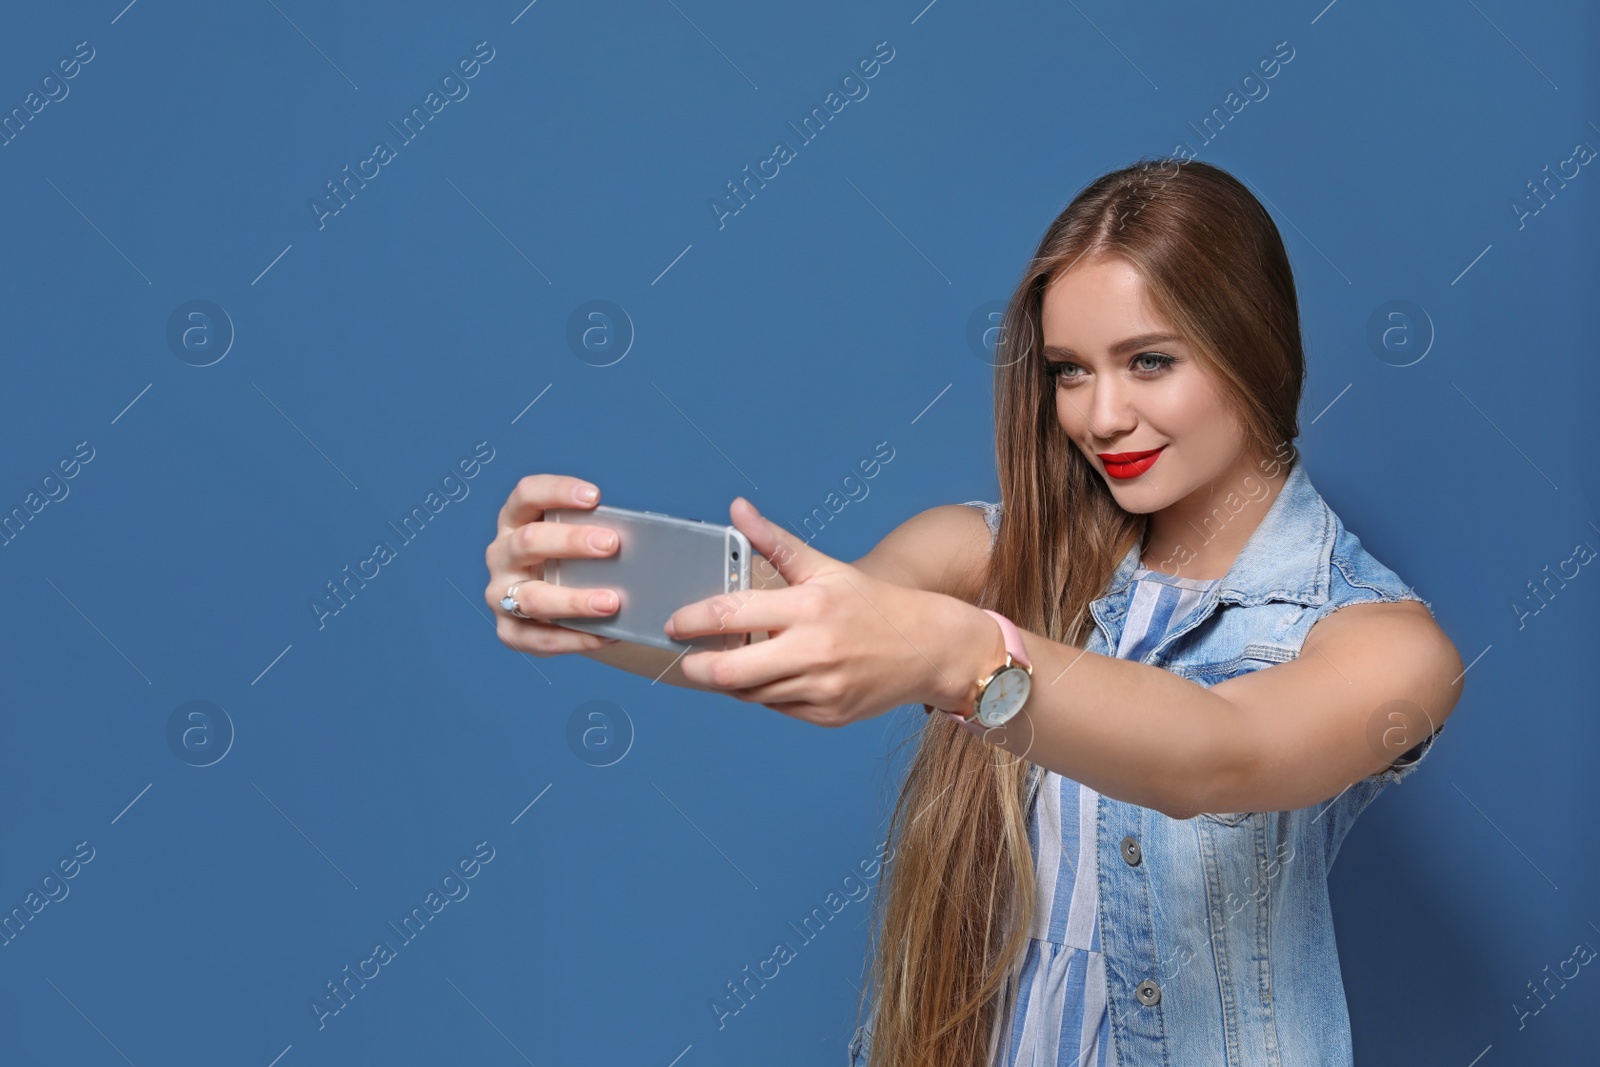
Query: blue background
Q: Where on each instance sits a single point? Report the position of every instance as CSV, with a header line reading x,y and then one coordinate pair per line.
x,y
364,757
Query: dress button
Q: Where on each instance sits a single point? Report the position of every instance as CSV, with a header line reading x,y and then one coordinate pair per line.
x,y
1130,851
1148,992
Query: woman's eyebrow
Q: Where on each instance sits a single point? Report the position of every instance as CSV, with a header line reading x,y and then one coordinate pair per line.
x,y
1130,345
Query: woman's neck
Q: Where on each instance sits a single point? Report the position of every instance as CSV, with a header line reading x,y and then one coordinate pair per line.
x,y
1201,535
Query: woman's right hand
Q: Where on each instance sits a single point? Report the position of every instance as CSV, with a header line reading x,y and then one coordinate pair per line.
x,y
524,541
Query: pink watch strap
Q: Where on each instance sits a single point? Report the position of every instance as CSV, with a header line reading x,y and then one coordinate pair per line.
x,y
1013,637
1014,645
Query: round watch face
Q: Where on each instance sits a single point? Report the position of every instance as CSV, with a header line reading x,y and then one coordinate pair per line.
x,y
1004,696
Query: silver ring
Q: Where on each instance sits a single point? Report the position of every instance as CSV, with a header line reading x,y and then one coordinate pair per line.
x,y
509,601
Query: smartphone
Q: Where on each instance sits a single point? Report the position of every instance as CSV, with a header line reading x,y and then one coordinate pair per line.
x,y
661,563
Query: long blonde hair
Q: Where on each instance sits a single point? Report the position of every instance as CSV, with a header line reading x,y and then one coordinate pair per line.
x,y
955,911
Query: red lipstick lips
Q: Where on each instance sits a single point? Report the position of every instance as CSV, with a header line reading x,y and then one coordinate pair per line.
x,y
1123,465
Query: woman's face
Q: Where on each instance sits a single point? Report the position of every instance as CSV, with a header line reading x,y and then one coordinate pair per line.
x,y
1126,383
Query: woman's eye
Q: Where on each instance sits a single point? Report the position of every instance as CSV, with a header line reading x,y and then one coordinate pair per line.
x,y
1146,363
1162,361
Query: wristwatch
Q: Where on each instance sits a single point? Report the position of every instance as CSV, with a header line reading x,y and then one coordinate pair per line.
x,y
1003,692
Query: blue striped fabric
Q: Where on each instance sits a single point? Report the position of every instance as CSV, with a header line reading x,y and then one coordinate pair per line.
x,y
1056,996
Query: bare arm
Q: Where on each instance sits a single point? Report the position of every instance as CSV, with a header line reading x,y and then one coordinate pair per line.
x,y
1283,737
944,549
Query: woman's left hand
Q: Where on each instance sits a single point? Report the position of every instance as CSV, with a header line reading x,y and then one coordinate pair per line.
x,y
844,645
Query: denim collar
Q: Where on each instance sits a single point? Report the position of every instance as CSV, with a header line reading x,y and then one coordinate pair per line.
x,y
1286,557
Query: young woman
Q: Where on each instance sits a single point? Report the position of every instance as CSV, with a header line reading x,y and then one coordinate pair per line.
x,y
1170,678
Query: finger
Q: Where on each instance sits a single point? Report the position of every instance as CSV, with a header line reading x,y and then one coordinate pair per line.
x,y
798,710
815,714
741,611
746,667
797,690
537,492
795,710
822,695
793,558
544,638
531,544
544,601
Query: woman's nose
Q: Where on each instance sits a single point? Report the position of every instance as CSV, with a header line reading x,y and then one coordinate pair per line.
x,y
1108,414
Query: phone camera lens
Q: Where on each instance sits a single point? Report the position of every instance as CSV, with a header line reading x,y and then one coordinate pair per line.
x,y
736,553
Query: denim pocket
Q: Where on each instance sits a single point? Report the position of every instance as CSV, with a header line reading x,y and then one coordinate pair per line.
x,y
1227,818
1253,657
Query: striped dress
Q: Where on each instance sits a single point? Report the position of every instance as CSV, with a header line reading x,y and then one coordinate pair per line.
x,y
1055,1008
1057,996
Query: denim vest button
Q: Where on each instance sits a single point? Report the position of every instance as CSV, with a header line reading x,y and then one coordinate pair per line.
x,y
1148,992
1130,851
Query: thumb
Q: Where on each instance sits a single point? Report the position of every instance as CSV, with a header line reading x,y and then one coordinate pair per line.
x,y
793,558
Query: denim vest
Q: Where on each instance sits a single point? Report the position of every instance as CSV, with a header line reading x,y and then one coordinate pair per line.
x,y
1216,930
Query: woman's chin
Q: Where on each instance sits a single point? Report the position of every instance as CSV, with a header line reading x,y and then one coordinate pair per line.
x,y
1137,499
